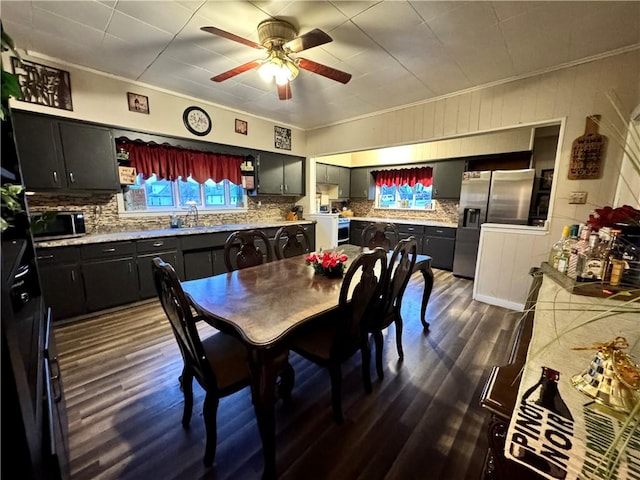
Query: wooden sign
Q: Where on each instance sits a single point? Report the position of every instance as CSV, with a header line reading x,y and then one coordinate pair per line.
x,y
587,152
127,175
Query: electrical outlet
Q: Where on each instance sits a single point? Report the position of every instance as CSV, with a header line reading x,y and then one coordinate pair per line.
x,y
578,197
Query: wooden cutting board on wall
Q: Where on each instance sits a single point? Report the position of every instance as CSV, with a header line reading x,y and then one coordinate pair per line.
x,y
587,152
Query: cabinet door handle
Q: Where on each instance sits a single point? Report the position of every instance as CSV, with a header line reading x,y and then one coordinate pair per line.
x,y
130,269
439,231
73,275
286,188
45,257
55,177
73,180
158,244
57,392
108,250
281,189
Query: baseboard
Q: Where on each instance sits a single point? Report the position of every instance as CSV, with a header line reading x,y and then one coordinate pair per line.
x,y
499,302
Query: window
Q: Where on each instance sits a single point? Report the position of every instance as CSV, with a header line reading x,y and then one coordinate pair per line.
x,y
404,196
159,194
404,188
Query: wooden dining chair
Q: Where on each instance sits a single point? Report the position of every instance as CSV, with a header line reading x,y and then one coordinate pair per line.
x,y
246,248
336,337
399,272
219,363
380,234
287,241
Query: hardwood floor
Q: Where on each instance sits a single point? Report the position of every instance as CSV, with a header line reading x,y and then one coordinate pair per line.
x,y
423,421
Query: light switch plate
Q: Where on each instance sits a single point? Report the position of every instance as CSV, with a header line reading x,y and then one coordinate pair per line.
x,y
578,197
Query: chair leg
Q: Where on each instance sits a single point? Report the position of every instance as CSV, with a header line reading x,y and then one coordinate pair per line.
x,y
186,381
336,392
399,337
210,411
377,336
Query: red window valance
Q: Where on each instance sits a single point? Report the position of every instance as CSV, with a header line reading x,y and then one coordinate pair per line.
x,y
399,177
171,162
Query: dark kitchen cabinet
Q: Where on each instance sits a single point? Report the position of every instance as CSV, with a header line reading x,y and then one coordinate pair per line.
x,y
356,228
327,173
416,231
61,280
203,255
362,184
447,178
110,274
280,174
439,243
344,185
148,249
61,155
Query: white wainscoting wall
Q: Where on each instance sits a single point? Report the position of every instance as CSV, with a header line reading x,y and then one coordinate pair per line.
x,y
506,254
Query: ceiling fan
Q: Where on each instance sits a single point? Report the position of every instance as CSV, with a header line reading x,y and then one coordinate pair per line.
x,y
280,39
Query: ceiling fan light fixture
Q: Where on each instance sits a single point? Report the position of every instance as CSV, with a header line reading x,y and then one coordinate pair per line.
x,y
278,67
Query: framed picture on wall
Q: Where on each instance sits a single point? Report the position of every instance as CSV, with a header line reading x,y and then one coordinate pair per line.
x,y
241,126
138,103
542,204
546,179
282,137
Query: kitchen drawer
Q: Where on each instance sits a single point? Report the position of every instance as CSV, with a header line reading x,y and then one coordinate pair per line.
x,y
410,229
108,250
48,256
444,232
200,242
157,245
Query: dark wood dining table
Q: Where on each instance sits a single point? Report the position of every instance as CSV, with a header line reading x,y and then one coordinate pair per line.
x,y
262,306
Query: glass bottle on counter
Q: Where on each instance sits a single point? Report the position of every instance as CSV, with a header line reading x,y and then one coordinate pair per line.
x,y
590,264
577,249
556,249
563,261
614,265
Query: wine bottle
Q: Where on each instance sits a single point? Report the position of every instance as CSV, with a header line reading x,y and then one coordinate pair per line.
x,y
576,250
549,395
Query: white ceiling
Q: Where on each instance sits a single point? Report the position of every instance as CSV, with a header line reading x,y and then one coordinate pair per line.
x,y
399,52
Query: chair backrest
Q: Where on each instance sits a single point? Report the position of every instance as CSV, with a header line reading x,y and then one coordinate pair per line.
x,y
401,266
246,248
287,242
178,310
380,234
358,302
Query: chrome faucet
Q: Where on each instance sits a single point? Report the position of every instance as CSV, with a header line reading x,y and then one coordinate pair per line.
x,y
191,220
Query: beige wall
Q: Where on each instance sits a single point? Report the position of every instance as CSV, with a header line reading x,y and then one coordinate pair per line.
x,y
569,94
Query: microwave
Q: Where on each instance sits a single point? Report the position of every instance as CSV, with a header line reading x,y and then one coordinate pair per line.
x,y
57,225
325,209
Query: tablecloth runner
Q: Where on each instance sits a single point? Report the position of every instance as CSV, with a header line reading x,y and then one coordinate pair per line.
x,y
544,438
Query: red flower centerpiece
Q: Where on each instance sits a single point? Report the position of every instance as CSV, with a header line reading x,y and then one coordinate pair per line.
x,y
329,263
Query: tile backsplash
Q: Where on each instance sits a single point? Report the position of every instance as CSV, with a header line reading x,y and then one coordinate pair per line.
x,y
101,212
446,211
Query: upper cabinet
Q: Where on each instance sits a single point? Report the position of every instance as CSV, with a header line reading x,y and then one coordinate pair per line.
x,y
362,185
327,173
447,178
280,174
64,155
344,185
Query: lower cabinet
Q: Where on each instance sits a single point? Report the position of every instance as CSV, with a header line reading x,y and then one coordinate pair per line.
x,y
61,281
356,228
203,255
110,274
166,248
439,243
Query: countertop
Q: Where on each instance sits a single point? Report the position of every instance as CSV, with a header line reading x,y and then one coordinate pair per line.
x,y
169,232
426,223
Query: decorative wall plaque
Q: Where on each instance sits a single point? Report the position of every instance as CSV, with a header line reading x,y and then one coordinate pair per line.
x,y
42,84
587,151
282,137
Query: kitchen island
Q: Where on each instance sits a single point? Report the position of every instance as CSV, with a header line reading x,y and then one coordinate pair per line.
x,y
94,272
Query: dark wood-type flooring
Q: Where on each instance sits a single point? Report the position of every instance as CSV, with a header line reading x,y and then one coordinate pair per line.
x,y
423,421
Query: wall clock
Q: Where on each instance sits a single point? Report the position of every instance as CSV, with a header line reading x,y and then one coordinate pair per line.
x,y
197,121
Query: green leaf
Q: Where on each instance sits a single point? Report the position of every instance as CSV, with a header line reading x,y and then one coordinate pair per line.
x,y
10,86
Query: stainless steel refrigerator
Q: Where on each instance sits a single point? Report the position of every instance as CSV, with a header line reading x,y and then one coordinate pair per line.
x,y
499,196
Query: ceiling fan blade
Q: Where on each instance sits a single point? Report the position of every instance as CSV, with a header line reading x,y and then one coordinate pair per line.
x,y
308,40
325,71
231,36
236,71
284,91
